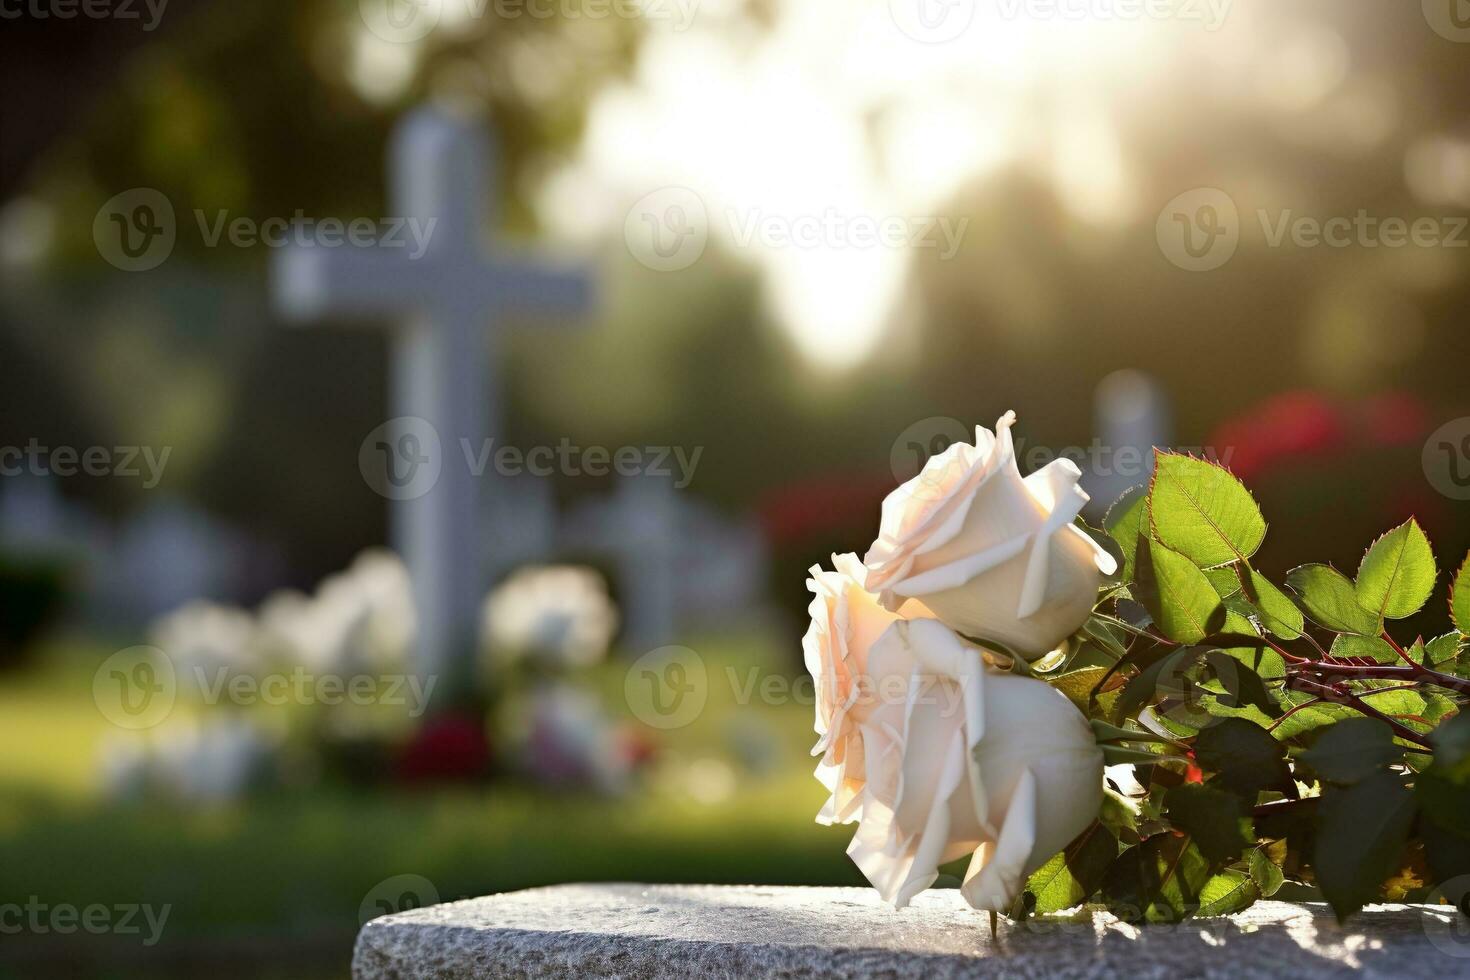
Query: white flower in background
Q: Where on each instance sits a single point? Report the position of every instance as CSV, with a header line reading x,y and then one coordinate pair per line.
x,y
361,619
203,637
935,756
214,759
123,765
559,615
568,740
994,555
375,599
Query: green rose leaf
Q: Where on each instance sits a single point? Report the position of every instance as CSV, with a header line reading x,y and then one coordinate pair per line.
x,y
1442,649
1184,605
1444,801
1106,636
1073,874
1274,608
1234,684
1144,686
1202,511
1326,595
1127,523
1352,750
1227,892
1159,880
1302,720
1265,872
1225,580
1265,662
1215,819
1452,748
1361,840
1078,685
1448,854
1245,757
1374,648
1397,573
1460,598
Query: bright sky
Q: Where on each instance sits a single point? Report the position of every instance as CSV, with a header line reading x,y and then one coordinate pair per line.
x,y
835,114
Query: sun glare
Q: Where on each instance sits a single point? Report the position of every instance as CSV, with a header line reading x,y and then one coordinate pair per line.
x,y
835,113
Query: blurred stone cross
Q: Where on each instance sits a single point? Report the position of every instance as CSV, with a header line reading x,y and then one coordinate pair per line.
x,y
443,382
640,527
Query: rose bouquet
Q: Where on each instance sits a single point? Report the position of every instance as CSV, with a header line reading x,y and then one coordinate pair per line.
x,y
990,655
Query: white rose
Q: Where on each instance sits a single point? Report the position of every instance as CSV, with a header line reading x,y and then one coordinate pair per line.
x,y
936,756
994,555
846,622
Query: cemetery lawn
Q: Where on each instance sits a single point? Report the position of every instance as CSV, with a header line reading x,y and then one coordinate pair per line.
x,y
279,879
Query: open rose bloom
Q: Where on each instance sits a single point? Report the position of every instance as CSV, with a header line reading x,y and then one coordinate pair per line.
x,y
935,755
994,555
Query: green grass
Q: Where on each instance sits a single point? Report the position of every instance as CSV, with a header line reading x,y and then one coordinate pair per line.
x,y
279,879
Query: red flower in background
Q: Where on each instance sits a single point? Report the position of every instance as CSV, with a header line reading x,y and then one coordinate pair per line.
x,y
1394,418
834,501
1301,426
452,748
1287,426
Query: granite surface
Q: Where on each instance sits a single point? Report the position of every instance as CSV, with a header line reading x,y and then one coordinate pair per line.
x,y
659,931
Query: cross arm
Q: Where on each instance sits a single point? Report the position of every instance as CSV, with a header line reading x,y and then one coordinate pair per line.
x,y
309,282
